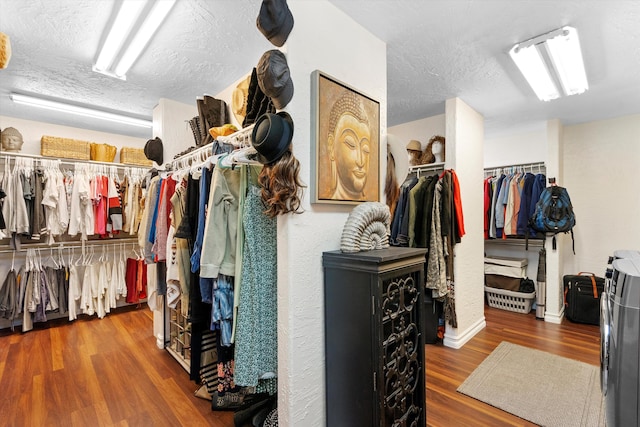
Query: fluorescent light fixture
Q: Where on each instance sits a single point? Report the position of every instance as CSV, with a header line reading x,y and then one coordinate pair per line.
x,y
566,55
80,111
531,65
122,26
562,48
123,29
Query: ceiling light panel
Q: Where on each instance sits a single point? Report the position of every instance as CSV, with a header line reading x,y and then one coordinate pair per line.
x,y
566,55
77,110
117,56
565,67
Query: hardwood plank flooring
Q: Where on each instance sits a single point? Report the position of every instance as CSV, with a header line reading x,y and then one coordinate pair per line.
x,y
447,368
109,372
102,372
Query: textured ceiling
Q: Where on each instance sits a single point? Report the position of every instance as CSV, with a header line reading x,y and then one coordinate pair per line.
x,y
436,50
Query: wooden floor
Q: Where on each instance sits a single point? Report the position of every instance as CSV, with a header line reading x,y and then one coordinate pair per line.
x,y
447,368
98,372
109,372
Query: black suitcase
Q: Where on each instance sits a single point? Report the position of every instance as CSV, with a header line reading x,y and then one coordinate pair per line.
x,y
582,297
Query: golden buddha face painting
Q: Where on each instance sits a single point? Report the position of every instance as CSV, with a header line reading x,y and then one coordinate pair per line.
x,y
348,145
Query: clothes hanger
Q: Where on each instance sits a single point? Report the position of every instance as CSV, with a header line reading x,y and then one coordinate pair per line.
x,y
55,263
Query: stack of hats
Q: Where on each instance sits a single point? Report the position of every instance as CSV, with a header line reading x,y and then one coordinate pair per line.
x,y
271,87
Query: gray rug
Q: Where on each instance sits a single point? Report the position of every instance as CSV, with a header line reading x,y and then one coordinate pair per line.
x,y
540,387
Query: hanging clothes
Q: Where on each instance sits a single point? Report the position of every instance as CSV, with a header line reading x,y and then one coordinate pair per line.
x,y
218,253
9,296
256,342
400,224
509,203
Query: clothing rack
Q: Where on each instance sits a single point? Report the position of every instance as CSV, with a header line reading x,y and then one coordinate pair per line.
x,y
427,167
241,138
72,244
534,167
69,162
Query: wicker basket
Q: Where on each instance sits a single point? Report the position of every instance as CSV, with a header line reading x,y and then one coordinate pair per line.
x,y
66,148
103,152
134,156
519,302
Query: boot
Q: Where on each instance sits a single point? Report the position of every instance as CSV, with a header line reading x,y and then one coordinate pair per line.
x,y
202,122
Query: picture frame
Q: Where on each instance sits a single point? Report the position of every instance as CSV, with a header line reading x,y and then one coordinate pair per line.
x,y
345,143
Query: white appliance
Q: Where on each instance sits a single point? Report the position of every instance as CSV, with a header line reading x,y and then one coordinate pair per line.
x,y
620,344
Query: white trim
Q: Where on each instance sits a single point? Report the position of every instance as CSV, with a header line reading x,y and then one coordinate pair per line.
x,y
461,339
554,318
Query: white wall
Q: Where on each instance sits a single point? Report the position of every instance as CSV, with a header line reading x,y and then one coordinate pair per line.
x,y
526,147
421,130
465,142
323,38
602,173
171,125
32,132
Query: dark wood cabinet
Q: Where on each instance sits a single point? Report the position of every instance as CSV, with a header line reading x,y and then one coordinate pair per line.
x,y
374,345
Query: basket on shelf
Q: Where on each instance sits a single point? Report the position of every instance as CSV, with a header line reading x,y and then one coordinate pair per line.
x,y
103,152
518,302
134,156
66,148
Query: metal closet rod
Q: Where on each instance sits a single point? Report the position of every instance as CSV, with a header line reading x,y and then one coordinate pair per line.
x,y
427,167
517,165
242,134
70,245
70,162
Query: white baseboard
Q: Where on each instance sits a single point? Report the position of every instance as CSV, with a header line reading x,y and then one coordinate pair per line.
x,y
554,317
461,338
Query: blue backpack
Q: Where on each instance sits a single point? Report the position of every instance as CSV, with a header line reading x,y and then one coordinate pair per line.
x,y
554,213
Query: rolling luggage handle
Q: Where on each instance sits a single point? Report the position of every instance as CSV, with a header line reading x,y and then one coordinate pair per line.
x,y
593,282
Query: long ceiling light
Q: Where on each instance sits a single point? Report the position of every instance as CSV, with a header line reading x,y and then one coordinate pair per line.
x,y
77,110
562,48
125,29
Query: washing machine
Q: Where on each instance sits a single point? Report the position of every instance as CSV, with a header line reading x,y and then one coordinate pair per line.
x,y
620,342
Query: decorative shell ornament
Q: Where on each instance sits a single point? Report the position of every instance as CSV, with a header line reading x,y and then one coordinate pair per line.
x,y
367,228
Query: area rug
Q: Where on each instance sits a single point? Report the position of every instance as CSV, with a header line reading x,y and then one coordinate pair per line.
x,y
540,387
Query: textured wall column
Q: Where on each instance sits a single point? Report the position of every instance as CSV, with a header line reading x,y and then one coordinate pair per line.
x,y
554,306
464,154
325,39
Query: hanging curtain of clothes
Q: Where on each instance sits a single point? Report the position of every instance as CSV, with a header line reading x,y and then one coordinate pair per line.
x,y
429,215
90,284
42,200
509,201
219,250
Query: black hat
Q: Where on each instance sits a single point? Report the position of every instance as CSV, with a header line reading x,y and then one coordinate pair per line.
x,y
275,21
154,150
274,78
271,136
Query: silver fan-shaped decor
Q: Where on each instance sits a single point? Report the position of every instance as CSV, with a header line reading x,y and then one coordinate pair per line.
x,y
367,228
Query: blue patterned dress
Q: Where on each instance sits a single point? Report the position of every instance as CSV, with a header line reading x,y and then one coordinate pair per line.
x,y
256,338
